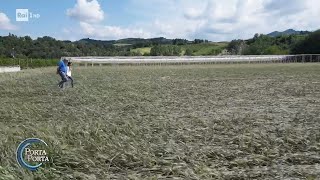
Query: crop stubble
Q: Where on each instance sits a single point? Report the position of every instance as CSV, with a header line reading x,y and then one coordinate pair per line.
x,y
183,122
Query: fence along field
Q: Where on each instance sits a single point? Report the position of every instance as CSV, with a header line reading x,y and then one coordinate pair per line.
x,y
140,60
161,60
10,69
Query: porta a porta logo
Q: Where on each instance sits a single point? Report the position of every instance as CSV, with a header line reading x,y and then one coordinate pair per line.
x,y
31,153
25,15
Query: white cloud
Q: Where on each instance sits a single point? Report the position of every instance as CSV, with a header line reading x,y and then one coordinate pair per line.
x,y
86,11
111,32
89,14
5,23
229,19
211,19
284,7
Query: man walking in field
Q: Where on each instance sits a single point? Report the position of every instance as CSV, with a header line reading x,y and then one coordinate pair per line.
x,y
62,71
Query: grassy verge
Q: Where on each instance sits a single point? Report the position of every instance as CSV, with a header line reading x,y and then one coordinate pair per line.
x,y
184,122
143,51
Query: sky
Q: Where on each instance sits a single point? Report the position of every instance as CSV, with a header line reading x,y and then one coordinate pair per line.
x,y
214,20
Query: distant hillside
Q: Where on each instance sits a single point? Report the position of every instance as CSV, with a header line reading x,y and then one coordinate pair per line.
x,y
100,42
288,32
49,48
134,41
287,42
129,41
202,49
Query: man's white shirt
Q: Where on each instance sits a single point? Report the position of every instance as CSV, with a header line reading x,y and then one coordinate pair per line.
x,y
68,71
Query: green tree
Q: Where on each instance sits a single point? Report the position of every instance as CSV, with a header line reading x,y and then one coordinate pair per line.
x,y
236,46
275,50
188,52
310,45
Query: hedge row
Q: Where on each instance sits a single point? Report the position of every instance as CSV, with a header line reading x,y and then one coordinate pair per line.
x,y
28,63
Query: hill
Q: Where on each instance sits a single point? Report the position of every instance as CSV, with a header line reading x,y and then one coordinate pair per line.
x,y
288,32
93,41
202,49
46,47
129,41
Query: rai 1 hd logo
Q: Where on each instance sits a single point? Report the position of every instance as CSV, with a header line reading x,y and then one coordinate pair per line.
x,y
25,15
32,153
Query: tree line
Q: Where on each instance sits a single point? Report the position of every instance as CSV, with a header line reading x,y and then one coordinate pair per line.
x,y
49,48
285,44
166,50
